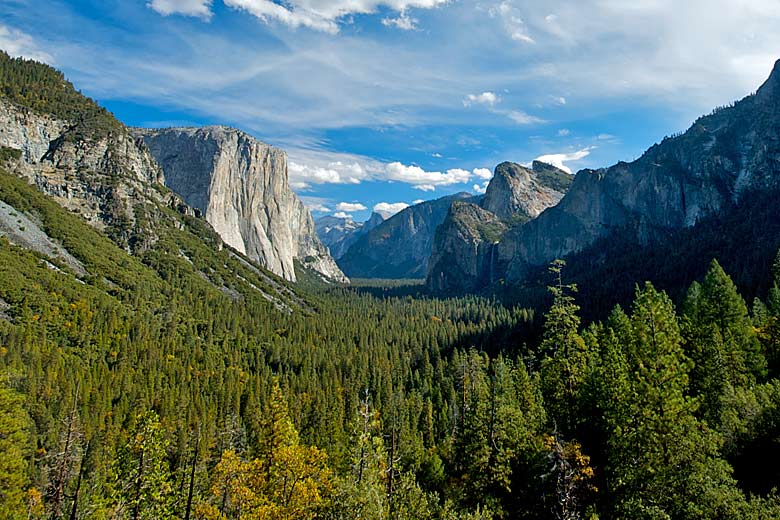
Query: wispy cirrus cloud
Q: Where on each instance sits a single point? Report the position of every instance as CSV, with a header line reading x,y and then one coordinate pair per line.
x,y
327,15
21,44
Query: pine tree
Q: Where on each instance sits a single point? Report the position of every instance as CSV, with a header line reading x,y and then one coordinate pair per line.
x,y
143,475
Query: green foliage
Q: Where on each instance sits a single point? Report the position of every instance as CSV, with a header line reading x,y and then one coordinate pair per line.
x,y
14,449
44,90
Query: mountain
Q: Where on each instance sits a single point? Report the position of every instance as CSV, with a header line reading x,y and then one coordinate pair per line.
x,y
465,249
719,163
676,183
240,185
339,233
86,198
400,246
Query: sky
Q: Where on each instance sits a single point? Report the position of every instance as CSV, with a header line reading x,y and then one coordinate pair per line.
x,y
385,103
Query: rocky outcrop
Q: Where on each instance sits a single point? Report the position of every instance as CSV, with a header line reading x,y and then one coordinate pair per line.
x,y
517,192
464,251
105,177
400,246
684,179
240,185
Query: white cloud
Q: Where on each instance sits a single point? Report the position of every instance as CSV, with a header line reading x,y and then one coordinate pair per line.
x,y
197,8
486,98
425,180
513,23
319,207
483,173
342,214
350,206
20,44
418,201
563,132
325,15
559,159
388,208
480,188
403,22
521,118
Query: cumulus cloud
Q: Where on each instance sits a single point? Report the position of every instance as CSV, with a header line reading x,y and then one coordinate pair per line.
x,y
425,180
196,8
342,214
480,188
390,208
350,206
303,175
559,159
563,132
325,15
18,43
403,22
485,98
483,173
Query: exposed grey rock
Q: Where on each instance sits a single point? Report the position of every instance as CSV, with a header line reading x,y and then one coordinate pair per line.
x,y
519,192
673,185
464,252
19,229
104,179
400,246
240,185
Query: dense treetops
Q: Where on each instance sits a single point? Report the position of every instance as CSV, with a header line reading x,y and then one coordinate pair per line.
x,y
45,90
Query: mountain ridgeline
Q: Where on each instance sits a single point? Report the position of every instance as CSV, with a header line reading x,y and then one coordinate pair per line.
x,y
465,250
719,163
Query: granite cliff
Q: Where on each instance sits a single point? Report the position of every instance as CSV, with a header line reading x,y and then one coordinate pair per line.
x,y
240,186
400,246
682,180
465,250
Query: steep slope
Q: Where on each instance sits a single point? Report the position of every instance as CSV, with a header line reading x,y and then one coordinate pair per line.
x,y
80,157
519,193
673,185
240,185
400,246
465,251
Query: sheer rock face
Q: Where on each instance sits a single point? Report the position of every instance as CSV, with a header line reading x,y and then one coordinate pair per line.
x,y
720,159
519,191
240,185
465,252
400,246
103,178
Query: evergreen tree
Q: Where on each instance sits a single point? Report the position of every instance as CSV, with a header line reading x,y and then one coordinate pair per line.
x,y
14,447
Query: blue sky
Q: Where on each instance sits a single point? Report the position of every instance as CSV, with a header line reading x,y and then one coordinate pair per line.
x,y
387,102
